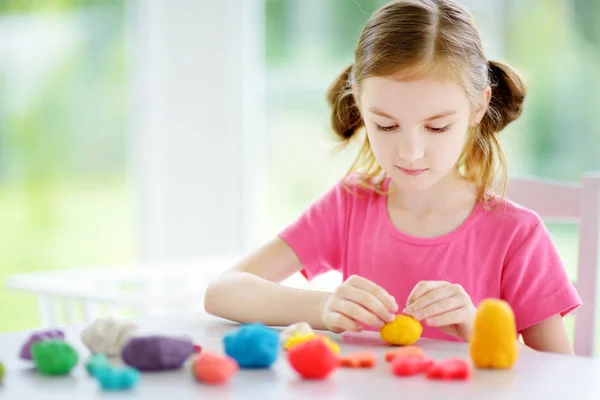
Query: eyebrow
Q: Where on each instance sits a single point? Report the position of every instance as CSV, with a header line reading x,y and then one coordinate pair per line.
x,y
439,115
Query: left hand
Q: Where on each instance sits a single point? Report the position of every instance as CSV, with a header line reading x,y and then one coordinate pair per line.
x,y
443,305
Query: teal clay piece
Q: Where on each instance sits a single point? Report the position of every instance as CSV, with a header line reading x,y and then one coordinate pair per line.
x,y
97,362
54,357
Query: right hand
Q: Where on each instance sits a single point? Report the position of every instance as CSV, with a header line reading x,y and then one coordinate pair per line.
x,y
358,301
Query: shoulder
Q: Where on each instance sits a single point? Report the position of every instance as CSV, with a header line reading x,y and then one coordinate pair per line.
x,y
509,216
519,228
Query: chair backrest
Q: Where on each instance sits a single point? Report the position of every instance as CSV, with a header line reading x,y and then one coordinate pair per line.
x,y
571,202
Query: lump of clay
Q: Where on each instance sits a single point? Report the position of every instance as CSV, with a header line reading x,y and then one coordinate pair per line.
x,y
1,372
452,369
108,336
97,362
54,357
252,346
403,331
304,337
407,366
312,359
214,369
299,328
494,340
113,379
402,352
157,353
363,359
25,352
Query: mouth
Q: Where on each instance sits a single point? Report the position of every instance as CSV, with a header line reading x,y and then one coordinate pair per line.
x,y
412,172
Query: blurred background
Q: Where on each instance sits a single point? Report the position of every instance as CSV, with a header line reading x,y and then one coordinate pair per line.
x,y
137,134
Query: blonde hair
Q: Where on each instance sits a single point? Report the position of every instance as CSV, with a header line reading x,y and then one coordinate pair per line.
x,y
413,38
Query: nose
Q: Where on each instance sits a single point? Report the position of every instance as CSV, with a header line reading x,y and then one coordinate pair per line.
x,y
411,147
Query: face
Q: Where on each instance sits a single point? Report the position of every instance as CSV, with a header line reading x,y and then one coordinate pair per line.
x,y
417,129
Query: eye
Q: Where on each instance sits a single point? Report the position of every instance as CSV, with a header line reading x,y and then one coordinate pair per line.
x,y
385,128
438,130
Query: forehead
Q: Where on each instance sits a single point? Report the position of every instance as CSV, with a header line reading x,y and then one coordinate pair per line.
x,y
414,99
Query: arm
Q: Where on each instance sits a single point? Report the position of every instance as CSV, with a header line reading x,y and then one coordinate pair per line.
x,y
250,291
549,335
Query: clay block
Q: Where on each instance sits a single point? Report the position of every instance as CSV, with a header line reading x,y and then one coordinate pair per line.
x,y
54,357
214,369
252,346
312,359
157,353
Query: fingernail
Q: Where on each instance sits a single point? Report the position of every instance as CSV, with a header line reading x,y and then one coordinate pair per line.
x,y
418,316
391,318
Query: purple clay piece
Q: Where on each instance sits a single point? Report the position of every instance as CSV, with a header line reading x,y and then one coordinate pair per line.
x,y
157,353
25,353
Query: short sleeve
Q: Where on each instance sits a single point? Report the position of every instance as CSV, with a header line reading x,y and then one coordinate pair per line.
x,y
535,282
317,236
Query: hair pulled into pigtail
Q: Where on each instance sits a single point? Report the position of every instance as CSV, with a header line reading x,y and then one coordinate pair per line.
x,y
345,115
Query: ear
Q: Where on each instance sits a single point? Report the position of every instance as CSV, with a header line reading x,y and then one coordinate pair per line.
x,y
483,103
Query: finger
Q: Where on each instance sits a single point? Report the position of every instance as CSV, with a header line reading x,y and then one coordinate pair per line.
x,y
374,289
441,307
457,316
441,293
423,288
366,300
357,313
340,323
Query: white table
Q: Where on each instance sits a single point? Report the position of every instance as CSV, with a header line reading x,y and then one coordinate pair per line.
x,y
536,375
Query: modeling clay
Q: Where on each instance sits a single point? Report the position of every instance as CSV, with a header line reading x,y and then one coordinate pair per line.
x,y
252,346
494,340
197,348
96,362
25,352
114,379
156,353
304,337
408,351
54,357
299,328
1,372
108,336
403,331
365,359
312,359
452,369
406,366
214,369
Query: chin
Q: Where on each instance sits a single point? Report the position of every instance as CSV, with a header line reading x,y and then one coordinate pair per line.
x,y
414,182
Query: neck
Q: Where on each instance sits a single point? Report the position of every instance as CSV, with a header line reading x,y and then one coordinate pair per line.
x,y
442,196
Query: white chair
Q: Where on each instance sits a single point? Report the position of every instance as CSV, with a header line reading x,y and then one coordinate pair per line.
x,y
577,203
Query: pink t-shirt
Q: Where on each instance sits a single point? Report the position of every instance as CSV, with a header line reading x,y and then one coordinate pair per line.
x,y
503,252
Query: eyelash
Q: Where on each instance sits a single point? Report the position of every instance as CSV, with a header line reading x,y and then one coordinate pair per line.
x,y
393,127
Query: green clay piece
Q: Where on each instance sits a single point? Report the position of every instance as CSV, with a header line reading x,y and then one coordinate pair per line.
x,y
96,362
1,372
54,357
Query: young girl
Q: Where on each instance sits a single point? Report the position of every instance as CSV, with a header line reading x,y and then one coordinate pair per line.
x,y
415,228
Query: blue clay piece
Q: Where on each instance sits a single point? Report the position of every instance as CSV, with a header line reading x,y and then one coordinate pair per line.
x,y
97,362
253,346
115,379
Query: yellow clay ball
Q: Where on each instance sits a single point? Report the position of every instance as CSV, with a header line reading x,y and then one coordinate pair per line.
x,y
403,331
494,340
299,338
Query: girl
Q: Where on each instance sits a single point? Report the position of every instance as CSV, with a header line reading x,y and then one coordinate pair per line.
x,y
415,228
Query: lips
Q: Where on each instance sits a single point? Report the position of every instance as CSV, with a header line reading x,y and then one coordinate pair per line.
x,y
412,171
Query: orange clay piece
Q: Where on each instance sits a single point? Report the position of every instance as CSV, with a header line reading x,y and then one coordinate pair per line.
x,y
403,331
408,351
494,340
363,359
299,338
